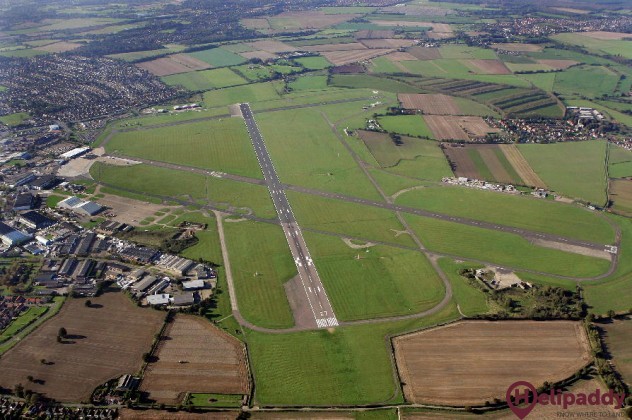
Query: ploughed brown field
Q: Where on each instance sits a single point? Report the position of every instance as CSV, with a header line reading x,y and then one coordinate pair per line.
x,y
558,64
104,342
514,46
621,194
488,66
340,58
540,412
471,362
429,103
349,46
522,167
388,43
272,46
423,53
173,64
618,335
448,127
195,356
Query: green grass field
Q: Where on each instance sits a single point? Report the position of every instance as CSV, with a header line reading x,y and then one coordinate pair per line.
x,y
14,119
22,321
409,125
371,82
313,63
375,282
255,92
599,46
165,118
615,292
306,152
575,169
218,57
221,145
259,272
511,210
593,81
346,218
619,162
471,301
501,248
156,181
412,157
206,79
309,82
344,366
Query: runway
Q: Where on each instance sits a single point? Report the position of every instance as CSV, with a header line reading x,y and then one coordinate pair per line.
x,y
319,304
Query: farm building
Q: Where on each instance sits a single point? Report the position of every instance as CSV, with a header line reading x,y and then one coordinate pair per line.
x,y
76,205
10,236
144,284
71,154
184,299
44,182
23,202
35,220
193,285
161,299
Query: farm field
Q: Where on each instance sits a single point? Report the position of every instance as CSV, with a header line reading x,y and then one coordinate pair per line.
x,y
547,412
437,104
173,64
407,155
617,336
371,82
477,355
214,362
448,127
496,163
512,210
576,170
621,195
205,80
598,43
501,248
88,354
260,272
593,81
366,281
218,57
221,145
409,125
619,162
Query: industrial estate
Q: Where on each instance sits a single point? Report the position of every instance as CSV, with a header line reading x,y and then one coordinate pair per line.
x,y
268,209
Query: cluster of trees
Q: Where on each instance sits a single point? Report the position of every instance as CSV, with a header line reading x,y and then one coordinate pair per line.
x,y
16,274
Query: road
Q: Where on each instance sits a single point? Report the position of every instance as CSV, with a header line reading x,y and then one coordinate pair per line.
x,y
319,304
